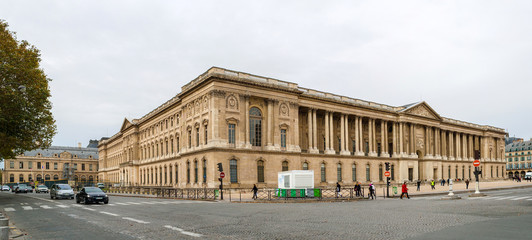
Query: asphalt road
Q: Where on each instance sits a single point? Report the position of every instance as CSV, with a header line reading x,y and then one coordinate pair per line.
x,y
504,214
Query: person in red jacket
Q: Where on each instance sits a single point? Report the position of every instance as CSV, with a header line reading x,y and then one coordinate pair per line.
x,y
404,191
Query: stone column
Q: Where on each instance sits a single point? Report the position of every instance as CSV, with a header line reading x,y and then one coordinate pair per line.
x,y
444,153
427,143
358,136
344,130
401,139
412,141
269,130
314,132
310,135
247,144
458,147
394,140
450,145
385,147
328,133
465,156
372,140
437,145
471,147
361,136
331,132
346,138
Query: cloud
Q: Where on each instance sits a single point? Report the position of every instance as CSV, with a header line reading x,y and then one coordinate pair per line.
x,y
110,60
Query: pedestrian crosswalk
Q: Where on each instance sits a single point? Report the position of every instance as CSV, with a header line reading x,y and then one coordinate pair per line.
x,y
46,206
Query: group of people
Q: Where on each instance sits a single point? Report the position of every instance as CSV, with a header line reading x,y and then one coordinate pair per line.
x,y
371,190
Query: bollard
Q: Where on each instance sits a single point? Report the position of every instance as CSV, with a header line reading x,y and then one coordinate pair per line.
x,y
4,222
4,233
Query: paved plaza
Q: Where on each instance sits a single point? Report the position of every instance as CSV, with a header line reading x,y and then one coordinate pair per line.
x,y
151,218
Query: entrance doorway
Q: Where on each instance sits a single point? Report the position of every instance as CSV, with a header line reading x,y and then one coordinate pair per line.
x,y
410,174
435,173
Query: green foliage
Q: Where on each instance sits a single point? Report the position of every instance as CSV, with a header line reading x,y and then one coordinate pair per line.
x,y
26,120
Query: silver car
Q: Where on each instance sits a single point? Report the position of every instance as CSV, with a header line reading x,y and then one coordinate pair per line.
x,y
61,191
6,188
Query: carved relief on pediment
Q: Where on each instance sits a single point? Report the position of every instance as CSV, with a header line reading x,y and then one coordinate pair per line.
x,y
232,102
423,111
284,111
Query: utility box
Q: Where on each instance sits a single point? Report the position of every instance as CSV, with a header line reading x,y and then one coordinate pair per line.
x,y
296,179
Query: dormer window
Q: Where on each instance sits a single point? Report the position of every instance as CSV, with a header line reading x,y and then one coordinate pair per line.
x,y
55,155
90,156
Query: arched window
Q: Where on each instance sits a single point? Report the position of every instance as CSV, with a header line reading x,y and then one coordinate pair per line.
x,y
456,172
76,178
39,178
255,129
30,178
233,170
380,172
368,177
323,177
305,166
47,177
176,174
91,179
165,175
491,171
339,172
463,172
204,171
195,171
12,178
21,178
354,172
56,177
260,171
285,166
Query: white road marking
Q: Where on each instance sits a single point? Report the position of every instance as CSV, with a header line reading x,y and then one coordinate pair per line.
x,y
112,214
183,231
135,220
133,203
503,198
27,207
86,208
76,205
9,209
125,204
110,204
519,198
62,206
46,207
529,199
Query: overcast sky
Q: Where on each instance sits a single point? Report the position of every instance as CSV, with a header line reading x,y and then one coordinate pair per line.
x,y
469,60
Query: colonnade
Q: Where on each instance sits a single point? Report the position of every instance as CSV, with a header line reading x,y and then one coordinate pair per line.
x,y
406,141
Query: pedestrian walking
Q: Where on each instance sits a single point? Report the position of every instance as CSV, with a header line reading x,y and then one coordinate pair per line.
x,y
467,184
357,189
255,190
371,191
443,182
432,183
418,184
338,188
404,191
448,181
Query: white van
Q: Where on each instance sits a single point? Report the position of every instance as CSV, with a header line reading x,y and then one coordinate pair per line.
x,y
528,175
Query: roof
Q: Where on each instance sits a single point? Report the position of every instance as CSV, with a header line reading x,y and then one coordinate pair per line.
x,y
519,146
51,151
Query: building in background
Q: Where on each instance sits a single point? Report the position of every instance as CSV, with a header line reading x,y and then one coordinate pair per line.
x,y
51,164
258,126
519,158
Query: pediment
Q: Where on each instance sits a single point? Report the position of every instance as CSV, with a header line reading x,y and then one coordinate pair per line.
x,y
422,109
125,124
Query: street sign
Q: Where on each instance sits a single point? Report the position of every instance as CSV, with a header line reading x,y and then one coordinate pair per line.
x,y
476,163
387,174
222,174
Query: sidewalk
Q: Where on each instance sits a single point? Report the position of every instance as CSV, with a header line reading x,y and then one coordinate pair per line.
x,y
460,187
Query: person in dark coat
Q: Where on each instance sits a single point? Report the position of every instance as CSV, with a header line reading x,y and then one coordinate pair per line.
x,y
255,190
418,184
467,184
443,182
404,191
338,188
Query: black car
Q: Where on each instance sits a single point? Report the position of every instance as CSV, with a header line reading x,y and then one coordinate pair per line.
x,y
91,195
22,188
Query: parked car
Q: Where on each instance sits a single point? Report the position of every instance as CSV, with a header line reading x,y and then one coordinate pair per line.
x,y
13,188
6,188
61,191
100,185
91,195
22,188
42,189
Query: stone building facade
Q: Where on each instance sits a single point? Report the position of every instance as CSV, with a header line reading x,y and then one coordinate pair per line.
x,y
48,164
519,158
257,126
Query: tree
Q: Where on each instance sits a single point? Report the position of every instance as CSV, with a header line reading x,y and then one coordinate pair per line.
x,y
26,120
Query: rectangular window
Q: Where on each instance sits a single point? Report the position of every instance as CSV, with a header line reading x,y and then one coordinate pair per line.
x,y
323,177
283,138
353,145
30,165
354,172
90,167
197,137
339,144
75,166
47,165
231,133
83,167
172,145
177,144
205,135
189,138
12,164
21,165
55,166
233,170
38,165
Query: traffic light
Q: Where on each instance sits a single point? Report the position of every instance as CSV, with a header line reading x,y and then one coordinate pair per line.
x,y
477,154
387,166
220,168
